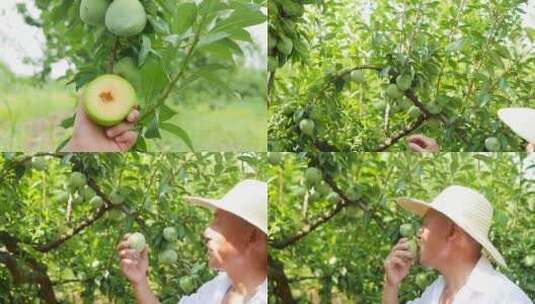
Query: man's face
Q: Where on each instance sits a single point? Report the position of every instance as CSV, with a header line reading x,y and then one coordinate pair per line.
x,y
433,238
226,239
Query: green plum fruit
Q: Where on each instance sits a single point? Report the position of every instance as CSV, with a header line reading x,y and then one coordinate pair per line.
x,y
307,126
136,241
125,18
92,12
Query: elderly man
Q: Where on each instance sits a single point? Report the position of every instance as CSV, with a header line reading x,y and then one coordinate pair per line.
x,y
520,120
454,241
237,247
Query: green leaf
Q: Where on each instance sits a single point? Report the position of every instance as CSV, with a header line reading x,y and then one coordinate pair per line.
x,y
159,24
212,37
185,16
145,48
153,128
531,34
179,132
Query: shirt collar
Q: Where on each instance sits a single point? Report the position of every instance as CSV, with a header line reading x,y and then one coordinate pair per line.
x,y
479,278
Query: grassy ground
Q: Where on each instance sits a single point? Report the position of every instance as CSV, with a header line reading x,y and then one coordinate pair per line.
x,y
30,115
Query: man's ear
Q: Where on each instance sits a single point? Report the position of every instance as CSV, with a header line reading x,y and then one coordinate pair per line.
x,y
257,239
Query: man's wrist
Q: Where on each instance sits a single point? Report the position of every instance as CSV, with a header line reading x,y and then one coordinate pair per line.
x,y
141,284
389,284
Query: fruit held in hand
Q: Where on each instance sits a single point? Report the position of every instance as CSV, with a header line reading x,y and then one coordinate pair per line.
x,y
77,180
413,247
492,144
186,284
108,99
406,230
126,18
168,257
136,241
92,12
313,176
169,234
307,126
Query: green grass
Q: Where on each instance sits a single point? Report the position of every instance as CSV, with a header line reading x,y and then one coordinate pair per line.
x,y
233,126
30,115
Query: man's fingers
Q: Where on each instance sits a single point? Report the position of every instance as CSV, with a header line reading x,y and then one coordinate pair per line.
x,y
128,254
133,116
416,147
122,245
126,140
119,129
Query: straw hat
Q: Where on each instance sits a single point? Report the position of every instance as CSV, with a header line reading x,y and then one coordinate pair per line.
x,y
521,121
467,208
248,200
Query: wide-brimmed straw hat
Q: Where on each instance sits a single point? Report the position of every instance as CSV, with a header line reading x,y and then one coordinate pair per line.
x,y
467,208
248,200
521,121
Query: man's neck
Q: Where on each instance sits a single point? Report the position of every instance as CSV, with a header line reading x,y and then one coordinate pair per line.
x,y
247,277
456,273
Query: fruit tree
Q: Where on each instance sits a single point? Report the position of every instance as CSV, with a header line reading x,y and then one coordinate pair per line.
x,y
157,47
62,216
329,237
377,71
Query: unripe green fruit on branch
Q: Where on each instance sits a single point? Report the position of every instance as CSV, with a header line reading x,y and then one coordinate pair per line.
x,y
169,234
393,92
529,261
492,144
116,198
126,67
313,176
421,280
92,12
96,201
358,76
333,197
168,257
307,126
414,112
186,284
136,241
403,82
38,163
274,158
77,180
126,18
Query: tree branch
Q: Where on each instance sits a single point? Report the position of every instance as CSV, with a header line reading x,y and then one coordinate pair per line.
x,y
282,286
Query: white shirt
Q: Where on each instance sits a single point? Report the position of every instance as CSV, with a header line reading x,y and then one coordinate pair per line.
x,y
213,292
484,286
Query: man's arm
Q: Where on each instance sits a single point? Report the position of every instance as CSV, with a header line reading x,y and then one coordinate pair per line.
x,y
134,266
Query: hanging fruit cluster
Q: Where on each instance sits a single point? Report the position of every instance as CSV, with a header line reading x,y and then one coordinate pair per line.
x,y
285,40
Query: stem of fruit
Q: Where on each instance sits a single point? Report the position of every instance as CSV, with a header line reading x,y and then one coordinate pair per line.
x,y
113,55
178,75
